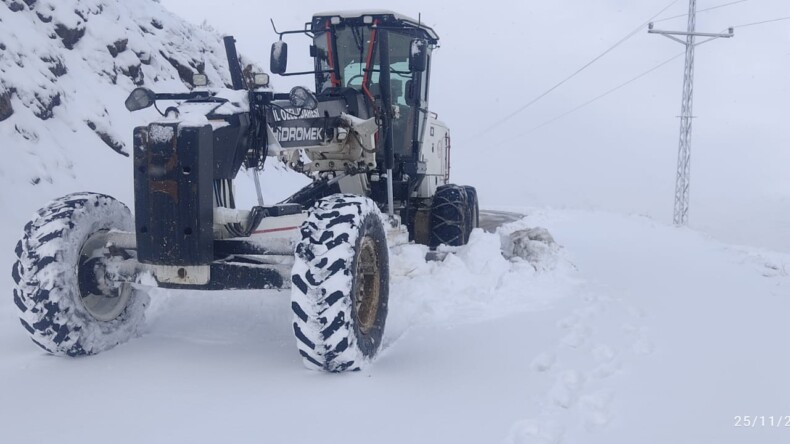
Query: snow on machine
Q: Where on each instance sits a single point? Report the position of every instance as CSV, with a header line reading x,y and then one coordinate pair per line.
x,y
379,163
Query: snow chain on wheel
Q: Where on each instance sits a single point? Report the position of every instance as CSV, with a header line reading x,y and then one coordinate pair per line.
x,y
340,285
449,218
66,303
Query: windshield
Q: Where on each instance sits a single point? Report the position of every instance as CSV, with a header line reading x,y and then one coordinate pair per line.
x,y
353,47
352,62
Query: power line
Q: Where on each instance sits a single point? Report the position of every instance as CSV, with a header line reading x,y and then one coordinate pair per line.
x,y
601,96
701,10
623,85
762,22
593,100
577,72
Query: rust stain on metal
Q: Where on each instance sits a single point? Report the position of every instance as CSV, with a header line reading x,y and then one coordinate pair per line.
x,y
168,187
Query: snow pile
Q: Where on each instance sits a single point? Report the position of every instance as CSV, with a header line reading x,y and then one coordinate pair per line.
x,y
534,245
476,282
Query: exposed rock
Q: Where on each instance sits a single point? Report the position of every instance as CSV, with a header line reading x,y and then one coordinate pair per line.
x,y
56,66
30,3
116,146
2,47
134,72
157,24
44,18
145,58
15,6
184,72
118,47
6,110
69,36
47,106
199,66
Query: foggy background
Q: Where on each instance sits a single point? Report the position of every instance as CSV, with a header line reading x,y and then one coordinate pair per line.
x,y
617,154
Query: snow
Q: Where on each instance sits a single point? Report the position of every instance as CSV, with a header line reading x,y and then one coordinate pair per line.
x,y
625,330
641,332
277,49
161,133
237,102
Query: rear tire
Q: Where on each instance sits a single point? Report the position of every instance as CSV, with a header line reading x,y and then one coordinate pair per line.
x,y
473,210
449,216
340,288
66,303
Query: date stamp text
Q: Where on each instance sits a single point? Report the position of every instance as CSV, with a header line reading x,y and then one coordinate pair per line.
x,y
761,421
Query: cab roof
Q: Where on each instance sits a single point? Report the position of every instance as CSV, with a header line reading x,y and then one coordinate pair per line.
x,y
388,18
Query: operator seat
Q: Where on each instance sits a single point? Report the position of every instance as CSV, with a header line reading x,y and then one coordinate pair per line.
x,y
356,105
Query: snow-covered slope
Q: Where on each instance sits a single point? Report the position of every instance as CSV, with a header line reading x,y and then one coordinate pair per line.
x,y
65,70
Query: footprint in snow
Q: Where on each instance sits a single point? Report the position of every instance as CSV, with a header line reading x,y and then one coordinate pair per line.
x,y
578,336
566,389
568,322
605,357
534,431
595,408
641,343
543,362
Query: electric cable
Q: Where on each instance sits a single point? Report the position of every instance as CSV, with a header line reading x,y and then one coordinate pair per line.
x,y
762,22
577,72
601,96
701,10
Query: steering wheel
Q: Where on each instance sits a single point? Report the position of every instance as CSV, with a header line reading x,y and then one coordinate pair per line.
x,y
358,76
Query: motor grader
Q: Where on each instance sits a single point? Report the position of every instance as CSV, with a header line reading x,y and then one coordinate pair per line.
x,y
379,161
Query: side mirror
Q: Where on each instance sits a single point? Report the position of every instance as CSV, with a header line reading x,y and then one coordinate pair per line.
x,y
301,97
140,98
418,56
279,58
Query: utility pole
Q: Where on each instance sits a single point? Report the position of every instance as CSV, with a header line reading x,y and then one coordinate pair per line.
x,y
684,149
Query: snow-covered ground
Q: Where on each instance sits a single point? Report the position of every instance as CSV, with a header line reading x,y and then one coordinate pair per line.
x,y
632,331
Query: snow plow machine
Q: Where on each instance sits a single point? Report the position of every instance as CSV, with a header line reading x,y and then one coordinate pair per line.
x,y
379,163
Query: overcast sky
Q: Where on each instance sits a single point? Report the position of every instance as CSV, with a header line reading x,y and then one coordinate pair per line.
x,y
620,152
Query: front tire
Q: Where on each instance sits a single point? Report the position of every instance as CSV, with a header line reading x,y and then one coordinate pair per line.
x,y
340,282
66,303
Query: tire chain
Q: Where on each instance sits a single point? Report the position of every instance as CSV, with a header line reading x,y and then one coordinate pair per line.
x,y
451,229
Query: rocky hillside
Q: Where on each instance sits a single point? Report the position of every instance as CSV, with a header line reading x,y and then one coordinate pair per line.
x,y
66,67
